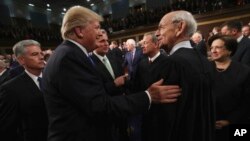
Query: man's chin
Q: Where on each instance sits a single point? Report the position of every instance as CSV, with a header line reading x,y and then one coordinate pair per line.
x,y
163,46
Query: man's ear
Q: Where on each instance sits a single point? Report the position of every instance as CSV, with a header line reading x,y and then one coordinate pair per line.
x,y
78,32
181,26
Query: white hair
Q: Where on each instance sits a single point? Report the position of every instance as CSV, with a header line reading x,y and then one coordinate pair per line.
x,y
131,42
19,48
188,18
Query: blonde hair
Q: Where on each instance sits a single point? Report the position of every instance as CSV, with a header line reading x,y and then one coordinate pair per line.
x,y
77,16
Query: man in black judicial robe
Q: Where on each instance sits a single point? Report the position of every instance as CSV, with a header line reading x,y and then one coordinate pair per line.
x,y
191,118
147,73
149,66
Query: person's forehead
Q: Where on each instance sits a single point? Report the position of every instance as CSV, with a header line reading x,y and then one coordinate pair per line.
x,y
147,37
246,28
166,19
218,41
93,23
224,27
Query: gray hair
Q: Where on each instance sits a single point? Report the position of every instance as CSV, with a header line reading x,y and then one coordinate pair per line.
x,y
188,18
153,36
19,48
131,42
77,16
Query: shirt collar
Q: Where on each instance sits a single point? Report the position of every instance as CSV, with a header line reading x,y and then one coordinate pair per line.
x,y
183,44
133,51
240,38
80,46
34,77
99,56
3,72
153,58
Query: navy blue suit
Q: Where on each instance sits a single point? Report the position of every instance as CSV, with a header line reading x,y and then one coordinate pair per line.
x,y
79,108
132,64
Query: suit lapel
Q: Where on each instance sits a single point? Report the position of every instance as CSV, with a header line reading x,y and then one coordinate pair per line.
x,y
101,66
30,84
4,76
114,66
80,52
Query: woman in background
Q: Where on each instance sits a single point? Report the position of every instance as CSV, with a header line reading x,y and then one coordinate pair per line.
x,y
231,87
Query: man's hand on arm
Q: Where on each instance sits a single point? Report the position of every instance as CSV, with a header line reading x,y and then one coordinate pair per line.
x,y
163,93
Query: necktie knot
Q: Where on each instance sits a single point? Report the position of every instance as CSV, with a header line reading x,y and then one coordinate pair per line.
x,y
104,60
91,61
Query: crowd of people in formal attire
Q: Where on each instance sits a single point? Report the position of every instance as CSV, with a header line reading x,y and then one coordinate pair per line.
x,y
171,86
137,16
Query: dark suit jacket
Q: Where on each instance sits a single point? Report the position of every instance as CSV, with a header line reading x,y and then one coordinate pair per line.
x,y
4,77
242,53
202,47
147,73
191,118
106,76
232,93
118,126
13,72
117,54
132,65
22,110
78,105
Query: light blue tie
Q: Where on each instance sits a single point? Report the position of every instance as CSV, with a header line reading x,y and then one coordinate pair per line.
x,y
108,66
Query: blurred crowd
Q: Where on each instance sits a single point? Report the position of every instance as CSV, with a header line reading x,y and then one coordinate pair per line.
x,y
16,33
141,16
138,16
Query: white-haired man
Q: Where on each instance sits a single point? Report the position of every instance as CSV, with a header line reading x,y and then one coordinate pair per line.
x,y
132,58
191,118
